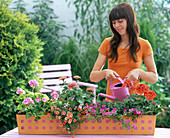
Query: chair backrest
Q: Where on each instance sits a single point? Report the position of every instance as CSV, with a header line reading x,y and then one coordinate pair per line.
x,y
51,75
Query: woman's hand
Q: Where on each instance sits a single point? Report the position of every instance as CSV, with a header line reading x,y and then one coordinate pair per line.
x,y
133,75
110,75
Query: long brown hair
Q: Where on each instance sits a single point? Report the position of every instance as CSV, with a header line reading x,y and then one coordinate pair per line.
x,y
124,11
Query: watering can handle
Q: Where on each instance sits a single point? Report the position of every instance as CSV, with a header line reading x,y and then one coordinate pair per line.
x,y
122,81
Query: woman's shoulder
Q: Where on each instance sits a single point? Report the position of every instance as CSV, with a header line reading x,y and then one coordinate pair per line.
x,y
108,39
142,41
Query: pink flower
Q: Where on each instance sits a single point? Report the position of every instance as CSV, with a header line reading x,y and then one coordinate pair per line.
x,y
132,109
28,101
103,106
33,83
95,106
93,110
101,110
87,113
109,113
133,126
113,111
44,99
93,114
104,114
54,94
107,109
37,99
124,110
20,91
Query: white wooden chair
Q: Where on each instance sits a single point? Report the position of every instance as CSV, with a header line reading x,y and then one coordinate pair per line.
x,y
51,75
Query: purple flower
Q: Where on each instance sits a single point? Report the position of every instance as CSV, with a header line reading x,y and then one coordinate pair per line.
x,y
20,91
37,99
54,94
27,101
44,99
33,83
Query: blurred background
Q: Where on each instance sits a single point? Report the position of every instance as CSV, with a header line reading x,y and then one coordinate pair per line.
x,y
70,32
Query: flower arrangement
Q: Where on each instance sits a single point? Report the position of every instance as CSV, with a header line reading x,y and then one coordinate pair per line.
x,y
144,102
73,105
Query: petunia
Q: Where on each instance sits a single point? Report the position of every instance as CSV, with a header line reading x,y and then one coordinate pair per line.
x,y
37,99
44,99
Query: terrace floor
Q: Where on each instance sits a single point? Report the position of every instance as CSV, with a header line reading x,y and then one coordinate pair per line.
x,y
159,133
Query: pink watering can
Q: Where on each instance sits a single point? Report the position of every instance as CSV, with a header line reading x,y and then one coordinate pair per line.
x,y
117,90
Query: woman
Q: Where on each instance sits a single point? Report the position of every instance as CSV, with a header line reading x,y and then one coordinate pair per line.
x,y
125,51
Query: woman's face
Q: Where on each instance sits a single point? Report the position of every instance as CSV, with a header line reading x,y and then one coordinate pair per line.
x,y
120,26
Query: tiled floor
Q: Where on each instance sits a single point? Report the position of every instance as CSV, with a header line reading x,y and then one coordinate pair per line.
x,y
159,133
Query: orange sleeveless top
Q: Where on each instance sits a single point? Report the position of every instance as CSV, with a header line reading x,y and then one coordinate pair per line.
x,y
124,64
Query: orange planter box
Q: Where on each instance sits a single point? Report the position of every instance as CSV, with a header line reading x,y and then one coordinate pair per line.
x,y
145,125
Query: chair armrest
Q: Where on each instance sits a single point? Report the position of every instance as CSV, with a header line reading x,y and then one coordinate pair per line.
x,y
48,88
87,84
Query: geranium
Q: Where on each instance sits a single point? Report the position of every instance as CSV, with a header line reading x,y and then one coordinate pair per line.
x,y
33,83
20,91
127,84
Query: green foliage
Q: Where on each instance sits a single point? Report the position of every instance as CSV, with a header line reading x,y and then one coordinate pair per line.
x,y
163,119
147,33
20,52
49,28
20,6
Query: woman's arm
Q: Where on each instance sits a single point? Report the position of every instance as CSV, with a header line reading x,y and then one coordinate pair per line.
x,y
149,76
98,74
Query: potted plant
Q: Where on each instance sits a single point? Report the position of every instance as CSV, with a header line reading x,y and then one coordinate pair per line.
x,y
72,112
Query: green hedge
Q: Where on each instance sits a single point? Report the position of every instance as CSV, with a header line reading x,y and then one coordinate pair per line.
x,y
20,52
